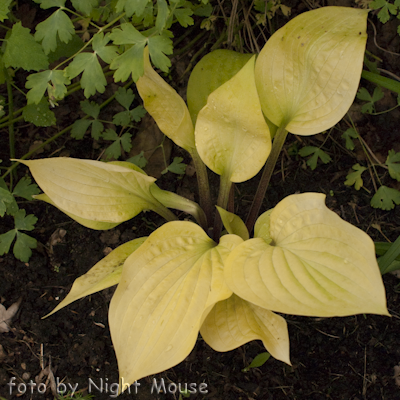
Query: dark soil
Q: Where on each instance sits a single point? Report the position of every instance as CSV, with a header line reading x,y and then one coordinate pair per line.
x,y
332,358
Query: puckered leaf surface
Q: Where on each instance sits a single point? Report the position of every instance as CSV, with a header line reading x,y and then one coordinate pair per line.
x,y
308,73
316,265
232,137
166,290
234,322
93,190
106,273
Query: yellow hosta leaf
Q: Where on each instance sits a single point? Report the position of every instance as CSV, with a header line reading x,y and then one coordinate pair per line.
x,y
106,273
97,225
165,105
308,72
232,137
165,288
234,322
93,190
233,224
316,265
210,73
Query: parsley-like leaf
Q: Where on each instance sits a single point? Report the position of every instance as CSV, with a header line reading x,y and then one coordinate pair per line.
x,y
393,162
80,126
5,241
363,94
22,51
385,198
138,160
131,7
124,97
84,6
349,135
177,166
23,245
4,9
114,151
354,178
137,113
58,23
316,153
39,82
386,7
26,189
6,198
90,108
39,114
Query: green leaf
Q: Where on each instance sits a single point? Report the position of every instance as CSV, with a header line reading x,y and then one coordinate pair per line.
x,y
349,135
316,153
39,82
177,167
39,114
234,322
308,72
385,198
131,6
23,245
182,11
114,151
317,264
122,119
45,4
386,7
232,137
106,273
393,162
90,108
386,261
137,113
85,6
22,51
58,23
4,9
354,178
99,45
162,14
25,188
363,94
124,97
79,128
159,46
6,198
24,222
5,241
93,78
139,160
258,361
66,49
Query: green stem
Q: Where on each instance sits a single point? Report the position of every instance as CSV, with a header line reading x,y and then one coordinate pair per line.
x,y
165,213
223,197
11,133
277,145
203,185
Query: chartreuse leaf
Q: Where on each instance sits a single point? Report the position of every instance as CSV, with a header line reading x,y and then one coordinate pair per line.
x,y
106,273
316,265
233,224
349,135
97,225
234,322
307,74
22,51
258,361
232,137
94,190
209,74
167,288
354,178
165,105
315,153
39,114
4,9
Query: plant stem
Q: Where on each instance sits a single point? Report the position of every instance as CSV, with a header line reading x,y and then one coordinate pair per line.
x,y
223,197
11,133
203,185
165,213
277,145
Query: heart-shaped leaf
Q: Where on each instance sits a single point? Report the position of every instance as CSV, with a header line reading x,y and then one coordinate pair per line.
x,y
308,72
232,137
316,264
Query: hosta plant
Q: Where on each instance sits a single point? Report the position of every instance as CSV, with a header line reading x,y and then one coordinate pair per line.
x,y
187,278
